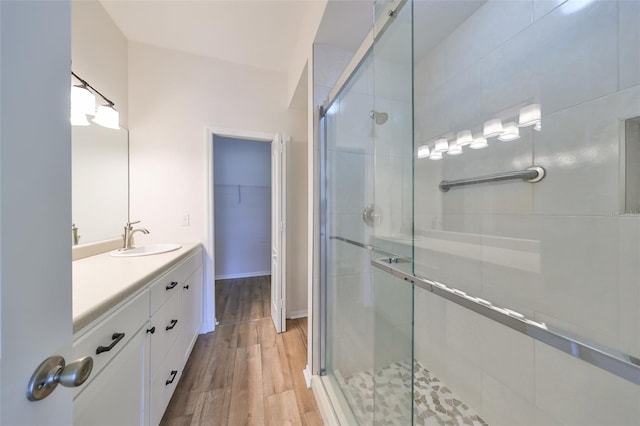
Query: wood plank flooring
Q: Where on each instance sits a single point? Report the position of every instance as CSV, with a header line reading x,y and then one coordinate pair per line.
x,y
245,373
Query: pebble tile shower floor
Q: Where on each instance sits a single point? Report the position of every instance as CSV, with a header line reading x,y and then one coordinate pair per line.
x,y
434,403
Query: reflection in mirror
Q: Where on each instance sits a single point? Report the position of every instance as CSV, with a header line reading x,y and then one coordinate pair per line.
x,y
100,182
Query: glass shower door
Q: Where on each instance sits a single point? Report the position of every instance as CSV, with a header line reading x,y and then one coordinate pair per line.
x,y
368,181
349,291
393,227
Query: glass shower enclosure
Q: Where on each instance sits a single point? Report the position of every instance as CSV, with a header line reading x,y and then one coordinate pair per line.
x,y
481,232
369,214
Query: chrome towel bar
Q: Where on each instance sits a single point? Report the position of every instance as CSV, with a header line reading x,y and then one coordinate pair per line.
x,y
532,174
615,362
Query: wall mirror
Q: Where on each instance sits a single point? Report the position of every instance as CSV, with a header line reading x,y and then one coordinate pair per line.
x,y
100,182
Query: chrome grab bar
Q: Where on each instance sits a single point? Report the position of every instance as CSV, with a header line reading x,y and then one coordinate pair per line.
x,y
608,359
532,174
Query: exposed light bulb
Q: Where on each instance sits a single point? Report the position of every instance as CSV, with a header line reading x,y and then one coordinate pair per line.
x,y
511,132
492,128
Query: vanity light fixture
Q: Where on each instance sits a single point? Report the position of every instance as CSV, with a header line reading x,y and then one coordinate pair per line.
x,y
492,128
479,143
511,132
442,145
78,118
435,156
81,103
529,115
423,151
464,138
455,149
82,100
107,116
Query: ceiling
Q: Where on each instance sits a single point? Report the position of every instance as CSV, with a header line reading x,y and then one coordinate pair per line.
x,y
259,33
264,33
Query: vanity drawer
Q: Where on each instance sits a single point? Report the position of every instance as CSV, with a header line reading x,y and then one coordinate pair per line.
x,y
106,337
167,323
165,287
192,263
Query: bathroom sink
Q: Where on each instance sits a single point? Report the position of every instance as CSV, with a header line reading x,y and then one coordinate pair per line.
x,y
147,250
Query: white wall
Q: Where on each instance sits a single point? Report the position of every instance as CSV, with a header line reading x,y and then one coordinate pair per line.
x,y
242,178
298,67
99,53
173,98
297,229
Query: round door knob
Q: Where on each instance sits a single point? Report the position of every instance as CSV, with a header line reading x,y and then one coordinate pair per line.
x,y
54,371
76,373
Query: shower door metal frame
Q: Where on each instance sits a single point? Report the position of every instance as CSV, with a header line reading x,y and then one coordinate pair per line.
x,y
319,360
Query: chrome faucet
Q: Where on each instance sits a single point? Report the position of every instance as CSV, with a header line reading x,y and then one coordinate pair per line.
x,y
74,234
128,234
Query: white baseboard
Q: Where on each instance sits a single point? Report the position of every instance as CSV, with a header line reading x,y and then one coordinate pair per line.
x,y
243,275
307,376
297,314
324,403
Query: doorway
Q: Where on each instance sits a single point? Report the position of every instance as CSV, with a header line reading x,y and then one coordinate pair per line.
x,y
242,199
247,204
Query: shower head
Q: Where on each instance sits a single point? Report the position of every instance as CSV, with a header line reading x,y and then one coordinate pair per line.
x,y
379,117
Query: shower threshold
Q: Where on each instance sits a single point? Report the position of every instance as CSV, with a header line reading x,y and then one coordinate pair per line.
x,y
434,402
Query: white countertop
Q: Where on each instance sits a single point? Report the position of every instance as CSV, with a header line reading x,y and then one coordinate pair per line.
x,y
101,282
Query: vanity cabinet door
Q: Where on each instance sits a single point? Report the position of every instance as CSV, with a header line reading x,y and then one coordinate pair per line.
x,y
163,384
166,323
191,311
116,396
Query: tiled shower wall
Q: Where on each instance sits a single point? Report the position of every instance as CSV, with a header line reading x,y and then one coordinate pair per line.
x,y
562,251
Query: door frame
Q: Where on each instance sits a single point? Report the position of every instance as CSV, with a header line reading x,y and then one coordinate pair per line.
x,y
210,243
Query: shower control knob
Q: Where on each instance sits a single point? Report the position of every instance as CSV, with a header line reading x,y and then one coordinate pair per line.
x,y
370,216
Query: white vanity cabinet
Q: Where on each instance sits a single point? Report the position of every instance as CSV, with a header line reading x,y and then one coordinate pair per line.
x,y
115,393
192,312
144,344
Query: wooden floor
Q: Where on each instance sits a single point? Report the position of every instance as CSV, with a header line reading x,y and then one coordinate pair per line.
x,y
244,373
